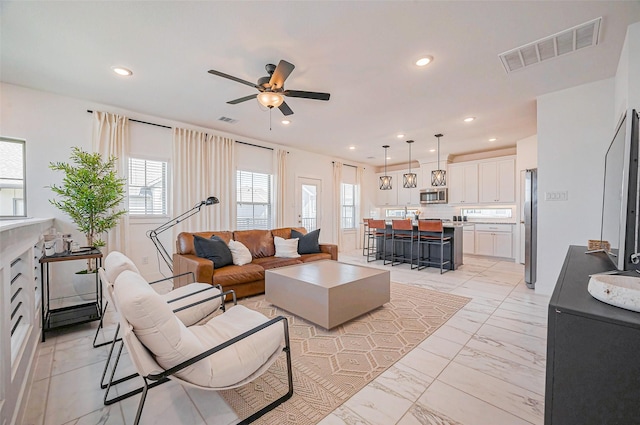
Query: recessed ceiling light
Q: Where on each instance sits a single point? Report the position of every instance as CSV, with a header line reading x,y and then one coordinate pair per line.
x,y
122,71
432,150
493,139
286,122
352,148
424,61
469,119
400,136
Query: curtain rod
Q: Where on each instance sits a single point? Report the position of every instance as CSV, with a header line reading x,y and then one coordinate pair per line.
x,y
346,165
141,122
255,146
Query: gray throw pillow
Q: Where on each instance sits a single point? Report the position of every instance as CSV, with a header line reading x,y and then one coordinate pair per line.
x,y
214,249
307,244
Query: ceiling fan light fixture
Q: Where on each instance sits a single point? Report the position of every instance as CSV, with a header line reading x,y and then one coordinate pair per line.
x,y
270,99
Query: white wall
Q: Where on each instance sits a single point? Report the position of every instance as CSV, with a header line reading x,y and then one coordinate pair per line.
x,y
627,83
52,124
574,128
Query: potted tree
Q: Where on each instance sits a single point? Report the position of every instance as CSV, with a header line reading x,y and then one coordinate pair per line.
x,y
90,194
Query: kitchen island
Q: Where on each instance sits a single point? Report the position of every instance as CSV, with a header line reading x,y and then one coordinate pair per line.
x,y
452,230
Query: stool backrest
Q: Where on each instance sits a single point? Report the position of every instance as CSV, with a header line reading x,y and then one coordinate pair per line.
x,y
430,226
377,224
402,225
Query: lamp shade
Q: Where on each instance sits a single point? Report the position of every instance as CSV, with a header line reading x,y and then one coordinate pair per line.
x,y
438,177
270,99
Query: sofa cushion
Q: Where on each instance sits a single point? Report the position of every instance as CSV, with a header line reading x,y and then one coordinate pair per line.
x,y
240,253
285,232
307,244
259,242
184,242
275,262
286,248
306,258
214,249
234,275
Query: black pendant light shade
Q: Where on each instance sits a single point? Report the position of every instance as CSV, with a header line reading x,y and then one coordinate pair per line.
x,y
410,179
385,181
438,177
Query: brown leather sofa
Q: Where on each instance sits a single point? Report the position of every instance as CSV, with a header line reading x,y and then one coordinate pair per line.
x,y
248,279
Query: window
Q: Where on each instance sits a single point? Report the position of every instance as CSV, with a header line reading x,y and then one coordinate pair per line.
x,y
254,197
348,201
147,187
12,177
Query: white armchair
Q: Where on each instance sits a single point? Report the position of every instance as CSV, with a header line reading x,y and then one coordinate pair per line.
x,y
229,350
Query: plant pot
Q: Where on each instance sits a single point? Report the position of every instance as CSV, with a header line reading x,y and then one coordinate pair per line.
x,y
84,284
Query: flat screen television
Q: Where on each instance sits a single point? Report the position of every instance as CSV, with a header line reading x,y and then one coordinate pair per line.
x,y
620,209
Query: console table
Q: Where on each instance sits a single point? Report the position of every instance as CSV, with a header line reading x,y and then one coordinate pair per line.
x,y
592,350
74,314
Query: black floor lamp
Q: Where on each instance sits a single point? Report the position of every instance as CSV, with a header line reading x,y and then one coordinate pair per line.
x,y
153,234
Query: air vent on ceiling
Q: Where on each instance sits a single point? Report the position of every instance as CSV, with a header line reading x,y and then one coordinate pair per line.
x,y
227,119
568,41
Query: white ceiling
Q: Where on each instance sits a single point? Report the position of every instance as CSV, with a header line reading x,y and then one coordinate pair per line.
x,y
363,53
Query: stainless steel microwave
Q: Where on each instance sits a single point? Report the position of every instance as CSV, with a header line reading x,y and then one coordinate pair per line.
x,y
434,196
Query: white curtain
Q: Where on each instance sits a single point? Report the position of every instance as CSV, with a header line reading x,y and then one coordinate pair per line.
x,y
203,167
281,184
337,202
111,138
360,212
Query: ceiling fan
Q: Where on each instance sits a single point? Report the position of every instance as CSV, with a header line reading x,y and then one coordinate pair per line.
x,y
271,88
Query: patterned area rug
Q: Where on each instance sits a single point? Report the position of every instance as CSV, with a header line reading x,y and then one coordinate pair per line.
x,y
331,366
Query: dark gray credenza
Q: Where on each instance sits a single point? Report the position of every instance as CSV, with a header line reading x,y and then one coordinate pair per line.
x,y
593,351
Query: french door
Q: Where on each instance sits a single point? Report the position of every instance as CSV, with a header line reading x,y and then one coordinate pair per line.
x,y
308,197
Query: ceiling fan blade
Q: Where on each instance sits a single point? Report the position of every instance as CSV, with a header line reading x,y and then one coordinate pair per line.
x,y
284,108
281,73
242,99
307,94
236,79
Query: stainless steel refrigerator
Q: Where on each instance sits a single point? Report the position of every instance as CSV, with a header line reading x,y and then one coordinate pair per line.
x,y
530,227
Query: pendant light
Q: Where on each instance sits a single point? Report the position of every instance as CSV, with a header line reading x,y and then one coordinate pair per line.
x,y
410,179
438,177
385,181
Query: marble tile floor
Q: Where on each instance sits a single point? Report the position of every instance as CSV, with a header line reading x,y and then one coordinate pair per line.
x,y
485,366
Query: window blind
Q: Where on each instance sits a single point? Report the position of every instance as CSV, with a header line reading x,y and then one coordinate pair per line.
x,y
147,187
254,200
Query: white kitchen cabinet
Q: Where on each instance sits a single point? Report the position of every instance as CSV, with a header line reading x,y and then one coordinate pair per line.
x,y
497,181
388,197
494,240
468,239
408,197
462,180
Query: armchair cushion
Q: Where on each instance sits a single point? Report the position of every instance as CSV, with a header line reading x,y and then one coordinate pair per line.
x,y
307,244
214,249
191,294
115,263
172,343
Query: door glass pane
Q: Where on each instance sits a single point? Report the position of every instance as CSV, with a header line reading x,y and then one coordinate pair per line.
x,y
309,213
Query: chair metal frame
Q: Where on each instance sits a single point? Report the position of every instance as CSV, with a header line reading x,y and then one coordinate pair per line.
x,y
431,232
402,232
379,236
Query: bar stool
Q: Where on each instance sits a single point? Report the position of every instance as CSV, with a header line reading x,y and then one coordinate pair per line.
x,y
402,233
377,241
430,233
367,235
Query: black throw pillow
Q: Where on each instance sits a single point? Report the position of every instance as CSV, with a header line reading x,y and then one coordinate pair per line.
x,y
214,249
307,244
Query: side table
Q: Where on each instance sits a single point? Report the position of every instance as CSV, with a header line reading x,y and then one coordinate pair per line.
x,y
70,315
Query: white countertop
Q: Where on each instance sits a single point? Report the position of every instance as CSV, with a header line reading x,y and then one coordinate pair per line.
x,y
13,224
